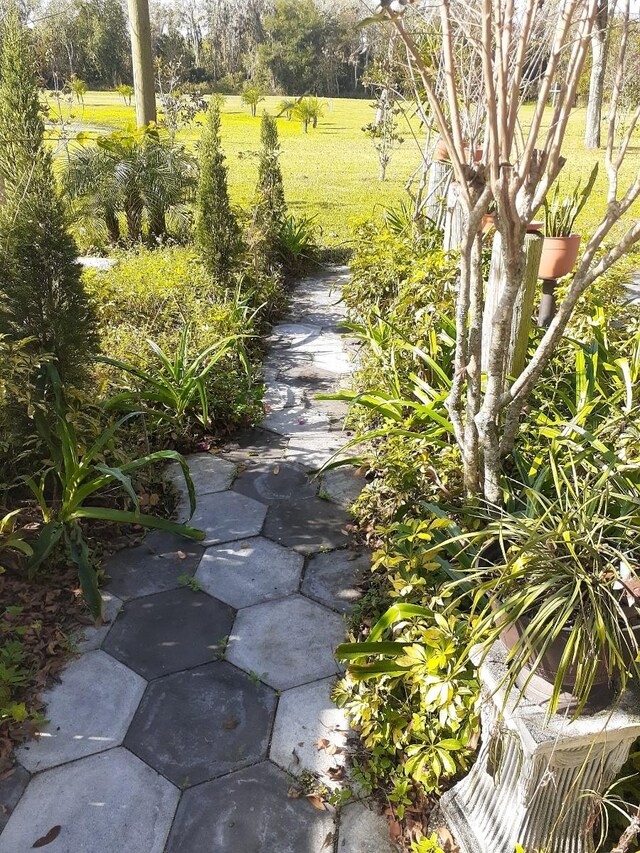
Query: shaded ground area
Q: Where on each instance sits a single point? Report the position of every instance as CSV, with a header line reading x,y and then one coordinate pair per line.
x,y
200,719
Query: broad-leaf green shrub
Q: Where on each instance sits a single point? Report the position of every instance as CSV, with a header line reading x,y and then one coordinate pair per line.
x,y
152,295
409,690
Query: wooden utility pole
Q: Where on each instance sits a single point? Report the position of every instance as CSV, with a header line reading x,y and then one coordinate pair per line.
x,y
142,56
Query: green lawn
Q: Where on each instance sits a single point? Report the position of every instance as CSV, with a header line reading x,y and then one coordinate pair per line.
x,y
332,172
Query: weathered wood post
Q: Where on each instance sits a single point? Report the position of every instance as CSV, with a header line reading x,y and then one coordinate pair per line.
x,y
142,56
454,218
523,308
440,173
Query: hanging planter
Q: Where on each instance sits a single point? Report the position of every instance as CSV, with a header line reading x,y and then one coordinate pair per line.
x,y
441,153
559,255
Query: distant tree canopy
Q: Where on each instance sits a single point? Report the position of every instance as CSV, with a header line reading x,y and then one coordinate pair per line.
x,y
290,46
85,38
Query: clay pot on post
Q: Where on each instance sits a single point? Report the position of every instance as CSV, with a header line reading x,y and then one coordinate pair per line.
x,y
559,255
441,152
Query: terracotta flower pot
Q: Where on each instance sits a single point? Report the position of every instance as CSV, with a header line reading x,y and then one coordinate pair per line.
x,y
441,152
559,255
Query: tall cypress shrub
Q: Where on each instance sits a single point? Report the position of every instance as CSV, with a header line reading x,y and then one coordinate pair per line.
x,y
41,291
217,229
270,209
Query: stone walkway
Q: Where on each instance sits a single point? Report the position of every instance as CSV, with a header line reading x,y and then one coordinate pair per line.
x,y
187,723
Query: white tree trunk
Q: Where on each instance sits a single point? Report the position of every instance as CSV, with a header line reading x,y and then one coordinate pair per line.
x,y
439,182
455,216
599,43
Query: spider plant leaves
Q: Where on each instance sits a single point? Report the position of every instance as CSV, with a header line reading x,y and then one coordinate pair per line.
x,y
127,517
79,553
48,538
561,212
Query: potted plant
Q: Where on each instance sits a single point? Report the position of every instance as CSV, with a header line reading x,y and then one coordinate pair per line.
x,y
441,152
561,245
558,585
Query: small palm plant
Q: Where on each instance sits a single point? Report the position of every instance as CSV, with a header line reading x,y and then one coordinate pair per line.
x,y
137,173
126,92
252,95
308,111
286,107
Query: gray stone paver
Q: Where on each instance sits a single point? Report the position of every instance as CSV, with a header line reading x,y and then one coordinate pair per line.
x,y
209,473
108,803
363,831
170,631
307,525
249,812
89,711
197,725
11,789
196,738
227,516
310,733
275,482
154,566
248,572
333,578
286,642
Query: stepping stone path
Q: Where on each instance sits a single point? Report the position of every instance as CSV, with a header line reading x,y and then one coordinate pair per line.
x,y
191,721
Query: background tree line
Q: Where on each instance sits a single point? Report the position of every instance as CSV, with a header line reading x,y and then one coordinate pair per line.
x,y
290,46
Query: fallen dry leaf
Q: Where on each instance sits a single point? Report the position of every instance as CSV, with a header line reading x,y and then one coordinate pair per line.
x,y
230,723
293,793
328,842
323,743
53,833
276,469
296,757
181,555
317,802
336,773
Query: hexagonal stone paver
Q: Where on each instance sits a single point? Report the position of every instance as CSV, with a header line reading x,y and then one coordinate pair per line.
x,y
249,812
295,420
251,571
307,525
363,831
227,516
275,482
153,566
108,803
209,473
305,716
333,578
342,486
11,789
255,443
170,631
92,636
88,711
286,642
197,725
313,449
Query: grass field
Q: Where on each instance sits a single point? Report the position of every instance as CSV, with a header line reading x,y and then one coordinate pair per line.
x,y
332,172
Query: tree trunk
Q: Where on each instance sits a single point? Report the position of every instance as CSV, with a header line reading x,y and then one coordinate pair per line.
x,y
142,56
599,44
455,216
516,354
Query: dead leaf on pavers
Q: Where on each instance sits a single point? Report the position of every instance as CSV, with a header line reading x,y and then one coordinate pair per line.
x,y
276,469
323,743
294,793
53,833
230,723
296,757
336,773
328,842
395,830
317,802
181,555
